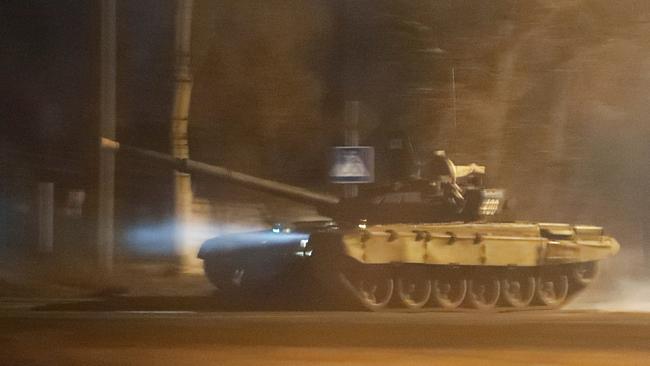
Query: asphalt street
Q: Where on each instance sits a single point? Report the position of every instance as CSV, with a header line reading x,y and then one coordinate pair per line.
x,y
89,332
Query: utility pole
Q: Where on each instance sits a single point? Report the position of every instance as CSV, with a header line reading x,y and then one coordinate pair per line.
x,y
351,14
106,177
351,137
45,212
646,244
453,95
179,124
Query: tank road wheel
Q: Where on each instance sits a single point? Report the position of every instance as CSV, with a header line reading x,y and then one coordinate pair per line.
x,y
373,287
375,292
552,289
448,292
483,292
414,290
518,290
582,274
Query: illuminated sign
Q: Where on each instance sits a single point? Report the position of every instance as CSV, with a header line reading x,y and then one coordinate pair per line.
x,y
352,164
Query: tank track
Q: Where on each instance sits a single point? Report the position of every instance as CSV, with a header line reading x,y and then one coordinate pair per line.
x,y
426,288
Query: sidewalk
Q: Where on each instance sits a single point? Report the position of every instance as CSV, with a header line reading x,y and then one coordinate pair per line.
x,y
57,278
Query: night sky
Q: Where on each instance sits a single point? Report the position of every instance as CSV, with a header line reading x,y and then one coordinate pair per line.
x,y
47,73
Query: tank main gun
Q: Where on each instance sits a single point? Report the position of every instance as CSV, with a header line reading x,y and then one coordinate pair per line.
x,y
195,167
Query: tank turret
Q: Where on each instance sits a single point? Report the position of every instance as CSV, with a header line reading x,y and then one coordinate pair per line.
x,y
438,192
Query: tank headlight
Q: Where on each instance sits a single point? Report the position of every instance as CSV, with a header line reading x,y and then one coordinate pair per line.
x,y
279,228
303,252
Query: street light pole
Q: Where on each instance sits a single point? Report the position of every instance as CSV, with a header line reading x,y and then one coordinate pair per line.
x,y
179,125
106,176
351,137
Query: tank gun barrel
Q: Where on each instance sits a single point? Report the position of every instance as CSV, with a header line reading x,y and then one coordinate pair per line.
x,y
195,167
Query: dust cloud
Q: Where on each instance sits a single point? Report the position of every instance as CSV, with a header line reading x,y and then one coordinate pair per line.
x,y
621,285
552,96
555,103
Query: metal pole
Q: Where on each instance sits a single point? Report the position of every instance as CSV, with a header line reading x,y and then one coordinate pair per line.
x,y
179,123
351,121
453,94
106,178
646,246
45,212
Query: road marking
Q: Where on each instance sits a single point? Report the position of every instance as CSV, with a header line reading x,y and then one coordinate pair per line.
x,y
145,312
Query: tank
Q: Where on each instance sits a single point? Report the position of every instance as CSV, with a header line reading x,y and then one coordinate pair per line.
x,y
430,242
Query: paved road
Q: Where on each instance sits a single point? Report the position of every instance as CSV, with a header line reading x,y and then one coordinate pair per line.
x,y
67,336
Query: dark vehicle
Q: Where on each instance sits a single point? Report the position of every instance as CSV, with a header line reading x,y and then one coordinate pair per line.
x,y
245,262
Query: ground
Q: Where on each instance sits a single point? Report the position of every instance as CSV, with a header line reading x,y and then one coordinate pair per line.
x,y
152,316
33,337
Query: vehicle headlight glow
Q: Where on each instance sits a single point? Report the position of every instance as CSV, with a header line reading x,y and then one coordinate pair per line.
x,y
303,252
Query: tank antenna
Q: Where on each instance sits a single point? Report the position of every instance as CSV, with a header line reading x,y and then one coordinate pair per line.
x,y
453,94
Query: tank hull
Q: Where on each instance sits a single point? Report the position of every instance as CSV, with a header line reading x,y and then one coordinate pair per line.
x,y
425,267
483,266
478,244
